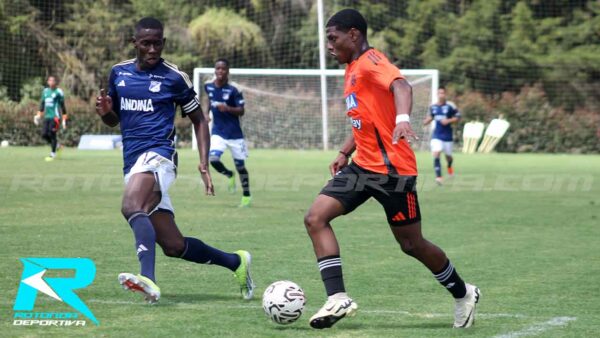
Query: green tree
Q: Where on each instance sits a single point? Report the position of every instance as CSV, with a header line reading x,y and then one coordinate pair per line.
x,y
224,33
20,60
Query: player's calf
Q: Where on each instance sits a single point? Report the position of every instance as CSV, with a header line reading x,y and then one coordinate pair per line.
x,y
172,248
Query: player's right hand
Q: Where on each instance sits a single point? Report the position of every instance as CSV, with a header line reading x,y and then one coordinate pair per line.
x,y
340,161
37,118
103,103
209,189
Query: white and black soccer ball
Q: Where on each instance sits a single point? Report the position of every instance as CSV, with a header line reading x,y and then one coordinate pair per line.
x,y
283,302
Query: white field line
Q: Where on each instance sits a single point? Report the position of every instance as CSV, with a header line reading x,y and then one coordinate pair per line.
x,y
375,312
538,328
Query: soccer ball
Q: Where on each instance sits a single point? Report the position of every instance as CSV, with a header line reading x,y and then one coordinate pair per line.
x,y
283,302
4,144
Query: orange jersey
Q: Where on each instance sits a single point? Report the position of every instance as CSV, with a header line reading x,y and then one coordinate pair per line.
x,y
370,106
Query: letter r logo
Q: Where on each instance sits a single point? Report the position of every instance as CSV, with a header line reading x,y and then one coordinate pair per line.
x,y
32,281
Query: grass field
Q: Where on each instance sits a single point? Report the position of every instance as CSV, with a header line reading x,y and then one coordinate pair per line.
x,y
524,228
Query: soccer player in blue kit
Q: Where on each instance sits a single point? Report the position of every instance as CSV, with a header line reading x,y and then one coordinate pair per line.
x,y
226,103
143,94
444,113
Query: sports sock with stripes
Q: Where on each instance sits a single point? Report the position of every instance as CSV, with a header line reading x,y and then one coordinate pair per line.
x,y
437,166
220,167
450,279
199,252
145,242
331,273
244,180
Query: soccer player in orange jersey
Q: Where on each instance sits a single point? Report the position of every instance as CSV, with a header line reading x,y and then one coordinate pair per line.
x,y
379,103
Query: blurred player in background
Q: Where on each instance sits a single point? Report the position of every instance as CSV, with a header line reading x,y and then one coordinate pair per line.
x,y
378,101
52,112
142,96
444,113
226,103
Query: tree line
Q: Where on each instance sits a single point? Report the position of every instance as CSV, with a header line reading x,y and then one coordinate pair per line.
x,y
486,50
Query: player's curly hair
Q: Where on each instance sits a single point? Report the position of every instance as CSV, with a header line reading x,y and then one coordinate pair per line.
x,y
348,18
224,60
148,23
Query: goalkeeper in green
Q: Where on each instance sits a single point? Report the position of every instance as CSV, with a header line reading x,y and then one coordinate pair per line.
x,y
52,111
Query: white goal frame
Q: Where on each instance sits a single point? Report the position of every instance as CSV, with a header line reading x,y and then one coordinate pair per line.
x,y
427,74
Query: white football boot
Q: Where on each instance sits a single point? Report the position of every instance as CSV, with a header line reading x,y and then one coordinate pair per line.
x,y
464,310
337,307
141,284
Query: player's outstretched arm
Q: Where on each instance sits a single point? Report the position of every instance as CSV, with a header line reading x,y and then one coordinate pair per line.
x,y
104,109
203,141
403,102
206,105
237,111
63,111
450,120
427,120
343,155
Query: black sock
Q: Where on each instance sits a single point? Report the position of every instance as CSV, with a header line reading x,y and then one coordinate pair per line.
x,y
53,143
331,273
199,252
450,162
220,167
450,279
244,180
437,166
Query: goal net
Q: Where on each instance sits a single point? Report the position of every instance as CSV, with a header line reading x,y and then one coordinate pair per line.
x,y
284,110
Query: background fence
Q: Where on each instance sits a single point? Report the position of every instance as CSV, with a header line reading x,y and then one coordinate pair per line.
x,y
535,62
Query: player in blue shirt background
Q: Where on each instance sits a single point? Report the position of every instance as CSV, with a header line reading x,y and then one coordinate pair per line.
x,y
143,94
226,103
444,113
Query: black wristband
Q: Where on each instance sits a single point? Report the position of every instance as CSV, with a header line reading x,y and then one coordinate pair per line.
x,y
345,154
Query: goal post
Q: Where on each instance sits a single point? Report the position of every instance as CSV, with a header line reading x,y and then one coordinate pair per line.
x,y
284,106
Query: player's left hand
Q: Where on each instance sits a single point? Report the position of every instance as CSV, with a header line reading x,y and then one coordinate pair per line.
x,y
209,189
403,130
445,122
222,107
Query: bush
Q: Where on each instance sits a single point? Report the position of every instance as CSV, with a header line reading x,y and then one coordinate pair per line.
x,y
16,123
535,126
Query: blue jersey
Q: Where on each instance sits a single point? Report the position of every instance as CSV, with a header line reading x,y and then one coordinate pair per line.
x,y
438,113
225,124
145,101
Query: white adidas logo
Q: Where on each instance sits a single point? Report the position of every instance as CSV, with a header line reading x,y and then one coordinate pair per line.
x,y
121,84
141,248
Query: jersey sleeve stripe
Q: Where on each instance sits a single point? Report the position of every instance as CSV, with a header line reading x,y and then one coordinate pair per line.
x,y
191,106
126,62
185,77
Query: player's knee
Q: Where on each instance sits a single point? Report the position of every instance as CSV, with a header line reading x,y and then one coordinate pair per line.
x,y
313,221
407,248
128,209
214,156
173,248
412,247
240,166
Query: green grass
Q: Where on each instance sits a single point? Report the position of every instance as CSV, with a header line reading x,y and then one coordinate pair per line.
x,y
524,228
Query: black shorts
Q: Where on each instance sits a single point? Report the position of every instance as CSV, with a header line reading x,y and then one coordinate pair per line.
x,y
49,126
353,186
